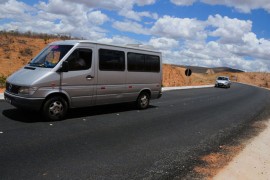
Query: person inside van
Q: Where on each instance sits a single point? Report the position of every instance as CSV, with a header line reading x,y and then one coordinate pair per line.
x,y
77,60
81,62
52,59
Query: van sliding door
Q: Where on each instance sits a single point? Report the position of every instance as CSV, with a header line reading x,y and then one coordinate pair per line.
x,y
111,76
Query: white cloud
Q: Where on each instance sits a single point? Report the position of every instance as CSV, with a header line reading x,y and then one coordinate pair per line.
x,y
250,39
75,19
123,7
183,2
130,26
110,5
137,16
114,4
237,46
214,55
14,9
172,27
242,5
3,1
54,17
229,30
144,2
164,43
59,7
257,51
120,40
239,38
97,17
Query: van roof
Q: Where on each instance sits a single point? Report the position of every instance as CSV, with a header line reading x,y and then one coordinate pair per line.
x,y
136,47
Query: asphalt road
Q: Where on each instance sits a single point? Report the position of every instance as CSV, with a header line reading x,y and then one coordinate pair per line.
x,y
120,142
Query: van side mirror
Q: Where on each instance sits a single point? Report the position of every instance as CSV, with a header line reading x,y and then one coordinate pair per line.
x,y
65,67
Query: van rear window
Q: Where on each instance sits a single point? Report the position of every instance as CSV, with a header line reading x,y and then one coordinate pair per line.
x,y
143,63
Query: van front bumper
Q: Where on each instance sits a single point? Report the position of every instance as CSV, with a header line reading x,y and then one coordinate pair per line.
x,y
22,102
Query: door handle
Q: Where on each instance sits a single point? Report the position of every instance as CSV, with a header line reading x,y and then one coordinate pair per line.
x,y
89,77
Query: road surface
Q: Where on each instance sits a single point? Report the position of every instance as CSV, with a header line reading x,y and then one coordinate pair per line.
x,y
120,142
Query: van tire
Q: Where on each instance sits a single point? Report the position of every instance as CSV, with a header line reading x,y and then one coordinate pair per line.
x,y
143,100
55,108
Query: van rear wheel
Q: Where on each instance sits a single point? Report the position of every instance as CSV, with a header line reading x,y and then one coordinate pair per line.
x,y
143,100
55,108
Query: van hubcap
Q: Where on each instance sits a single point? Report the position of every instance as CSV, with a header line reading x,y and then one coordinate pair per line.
x,y
144,101
56,108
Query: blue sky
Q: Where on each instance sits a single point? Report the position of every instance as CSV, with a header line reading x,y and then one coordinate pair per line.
x,y
210,33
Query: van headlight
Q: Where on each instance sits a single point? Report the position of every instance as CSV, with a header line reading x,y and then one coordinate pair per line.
x,y
27,90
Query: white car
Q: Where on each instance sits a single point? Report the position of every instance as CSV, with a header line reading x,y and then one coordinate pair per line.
x,y
223,81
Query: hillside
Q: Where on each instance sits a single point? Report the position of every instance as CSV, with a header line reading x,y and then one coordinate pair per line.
x,y
17,50
175,76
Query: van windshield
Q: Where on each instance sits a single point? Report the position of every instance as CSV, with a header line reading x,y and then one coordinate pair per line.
x,y
50,56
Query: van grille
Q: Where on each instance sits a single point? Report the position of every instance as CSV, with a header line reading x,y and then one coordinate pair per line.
x,y
12,88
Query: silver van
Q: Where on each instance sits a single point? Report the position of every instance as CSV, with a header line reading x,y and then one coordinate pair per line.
x,y
73,74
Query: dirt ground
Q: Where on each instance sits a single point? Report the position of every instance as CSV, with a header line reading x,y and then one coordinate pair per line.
x,y
215,162
253,162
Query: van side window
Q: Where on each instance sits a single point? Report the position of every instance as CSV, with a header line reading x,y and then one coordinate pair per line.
x,y
135,62
80,59
111,60
143,63
152,63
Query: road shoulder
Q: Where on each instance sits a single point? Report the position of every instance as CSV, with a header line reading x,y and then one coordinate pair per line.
x,y
251,163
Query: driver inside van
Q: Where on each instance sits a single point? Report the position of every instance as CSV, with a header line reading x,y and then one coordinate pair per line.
x,y
52,59
81,62
76,62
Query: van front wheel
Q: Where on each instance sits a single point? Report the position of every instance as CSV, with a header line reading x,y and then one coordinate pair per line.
x,y
143,100
55,108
